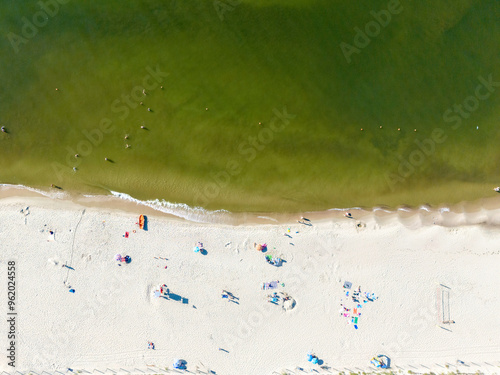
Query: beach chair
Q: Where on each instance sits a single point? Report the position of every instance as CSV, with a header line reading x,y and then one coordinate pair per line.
x,y
375,362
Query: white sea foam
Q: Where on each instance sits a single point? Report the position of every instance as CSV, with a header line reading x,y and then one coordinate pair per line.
x,y
182,210
375,209
345,209
404,209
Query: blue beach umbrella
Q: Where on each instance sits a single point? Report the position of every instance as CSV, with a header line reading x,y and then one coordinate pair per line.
x,y
180,364
196,249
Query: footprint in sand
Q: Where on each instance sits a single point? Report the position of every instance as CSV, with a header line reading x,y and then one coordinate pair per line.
x,y
324,278
88,257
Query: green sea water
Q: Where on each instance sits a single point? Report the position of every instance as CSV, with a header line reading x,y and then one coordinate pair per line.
x,y
260,109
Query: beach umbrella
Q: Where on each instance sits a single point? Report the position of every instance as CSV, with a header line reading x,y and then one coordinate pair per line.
x,y
196,249
314,360
180,364
118,257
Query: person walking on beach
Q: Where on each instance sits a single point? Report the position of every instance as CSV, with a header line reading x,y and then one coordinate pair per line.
x,y
229,295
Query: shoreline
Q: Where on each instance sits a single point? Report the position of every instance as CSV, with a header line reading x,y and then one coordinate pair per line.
x,y
482,211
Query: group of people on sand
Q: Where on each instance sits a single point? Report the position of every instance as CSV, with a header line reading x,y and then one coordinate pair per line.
x,y
357,297
277,297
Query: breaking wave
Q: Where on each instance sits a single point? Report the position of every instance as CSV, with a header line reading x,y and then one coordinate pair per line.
x,y
182,210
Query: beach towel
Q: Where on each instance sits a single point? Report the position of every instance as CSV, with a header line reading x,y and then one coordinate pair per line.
x,y
126,234
276,262
271,285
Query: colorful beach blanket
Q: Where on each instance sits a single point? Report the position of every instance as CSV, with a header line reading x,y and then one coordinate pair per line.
x,y
271,285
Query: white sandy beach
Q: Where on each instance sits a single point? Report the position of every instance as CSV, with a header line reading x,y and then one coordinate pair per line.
x,y
421,273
